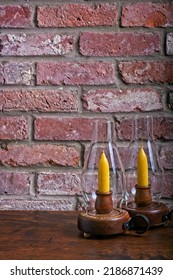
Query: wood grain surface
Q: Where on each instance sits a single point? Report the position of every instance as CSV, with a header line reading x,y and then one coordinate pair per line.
x,y
54,235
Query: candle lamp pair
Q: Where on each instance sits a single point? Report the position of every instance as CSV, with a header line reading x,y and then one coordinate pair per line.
x,y
109,208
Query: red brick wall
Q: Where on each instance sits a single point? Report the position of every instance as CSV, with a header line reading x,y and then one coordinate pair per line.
x,y
64,63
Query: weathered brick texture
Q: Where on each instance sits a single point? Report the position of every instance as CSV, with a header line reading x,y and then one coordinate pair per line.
x,y
148,71
162,127
74,15
74,73
118,44
167,157
170,100
39,155
16,73
64,129
169,44
64,183
22,44
14,183
16,16
13,128
127,100
38,205
64,64
148,14
60,100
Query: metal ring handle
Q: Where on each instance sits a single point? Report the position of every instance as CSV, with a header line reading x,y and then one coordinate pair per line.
x,y
139,223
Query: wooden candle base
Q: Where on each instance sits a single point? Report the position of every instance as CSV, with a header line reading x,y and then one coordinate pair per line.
x,y
93,223
143,204
104,203
143,196
103,220
155,212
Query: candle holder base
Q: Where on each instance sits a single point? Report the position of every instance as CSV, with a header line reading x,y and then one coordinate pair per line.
x,y
93,223
106,220
116,222
156,212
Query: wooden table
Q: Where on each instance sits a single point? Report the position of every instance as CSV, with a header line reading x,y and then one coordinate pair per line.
x,y
54,235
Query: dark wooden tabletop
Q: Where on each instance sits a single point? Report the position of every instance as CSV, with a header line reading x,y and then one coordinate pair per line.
x,y
54,235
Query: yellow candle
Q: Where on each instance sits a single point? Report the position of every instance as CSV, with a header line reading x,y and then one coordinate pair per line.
x,y
142,169
103,174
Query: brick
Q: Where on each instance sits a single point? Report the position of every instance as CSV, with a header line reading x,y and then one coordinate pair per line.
x,y
22,44
147,15
75,15
13,128
40,205
17,73
162,184
169,44
170,100
145,72
124,128
162,127
60,100
119,44
39,155
166,154
73,73
167,190
15,16
1,73
59,183
16,183
127,100
53,128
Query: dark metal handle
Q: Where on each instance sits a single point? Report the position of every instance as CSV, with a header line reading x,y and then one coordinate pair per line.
x,y
168,216
139,223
